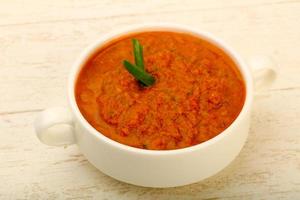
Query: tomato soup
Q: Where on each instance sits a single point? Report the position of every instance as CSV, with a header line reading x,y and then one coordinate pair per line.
x,y
197,94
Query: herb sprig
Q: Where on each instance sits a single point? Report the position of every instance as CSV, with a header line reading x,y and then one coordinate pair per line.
x,y
138,69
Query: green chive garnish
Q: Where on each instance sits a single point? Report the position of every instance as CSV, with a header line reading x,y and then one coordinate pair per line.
x,y
137,69
138,53
139,74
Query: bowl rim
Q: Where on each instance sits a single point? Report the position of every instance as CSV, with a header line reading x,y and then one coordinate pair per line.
x,y
144,27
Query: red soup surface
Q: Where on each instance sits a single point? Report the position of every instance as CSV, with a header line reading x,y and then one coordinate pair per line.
x,y
198,91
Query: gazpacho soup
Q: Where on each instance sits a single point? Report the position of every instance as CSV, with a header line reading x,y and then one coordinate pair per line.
x,y
160,90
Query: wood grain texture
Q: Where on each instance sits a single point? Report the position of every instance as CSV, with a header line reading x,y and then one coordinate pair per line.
x,y
39,41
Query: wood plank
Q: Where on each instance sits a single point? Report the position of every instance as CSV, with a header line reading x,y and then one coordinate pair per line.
x,y
16,12
267,168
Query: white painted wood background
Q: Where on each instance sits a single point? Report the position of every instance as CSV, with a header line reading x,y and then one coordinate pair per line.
x,y
39,41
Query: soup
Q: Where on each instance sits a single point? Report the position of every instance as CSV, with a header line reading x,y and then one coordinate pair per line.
x,y
198,91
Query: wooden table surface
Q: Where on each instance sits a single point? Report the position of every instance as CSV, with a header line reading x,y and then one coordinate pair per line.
x,y
39,41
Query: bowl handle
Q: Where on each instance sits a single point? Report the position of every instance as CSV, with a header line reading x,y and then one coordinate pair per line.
x,y
55,127
263,70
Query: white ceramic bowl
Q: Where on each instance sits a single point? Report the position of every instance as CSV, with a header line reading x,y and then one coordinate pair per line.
x,y
151,168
